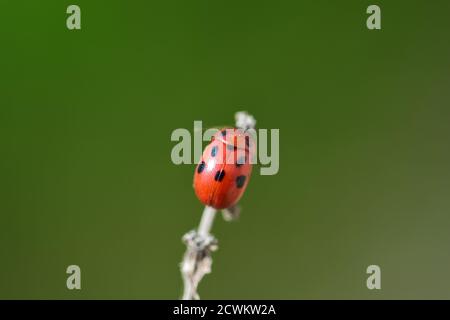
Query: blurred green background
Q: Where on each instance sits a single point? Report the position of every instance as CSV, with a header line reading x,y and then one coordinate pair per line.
x,y
85,169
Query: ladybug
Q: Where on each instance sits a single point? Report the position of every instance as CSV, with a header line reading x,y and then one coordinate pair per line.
x,y
224,170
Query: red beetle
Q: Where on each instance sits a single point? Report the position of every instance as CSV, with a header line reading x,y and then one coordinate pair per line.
x,y
224,169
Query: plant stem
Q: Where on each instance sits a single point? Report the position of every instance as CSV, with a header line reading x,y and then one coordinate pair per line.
x,y
200,243
197,259
207,221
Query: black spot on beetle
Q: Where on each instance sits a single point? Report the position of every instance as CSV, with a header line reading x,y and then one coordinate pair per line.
x,y
214,151
240,161
219,175
224,133
201,167
240,180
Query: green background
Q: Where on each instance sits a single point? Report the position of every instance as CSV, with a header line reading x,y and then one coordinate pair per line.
x,y
85,124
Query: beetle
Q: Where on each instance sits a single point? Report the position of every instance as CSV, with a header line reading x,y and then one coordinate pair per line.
x,y
224,170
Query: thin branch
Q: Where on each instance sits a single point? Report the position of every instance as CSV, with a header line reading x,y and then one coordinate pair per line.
x,y
197,260
201,243
207,221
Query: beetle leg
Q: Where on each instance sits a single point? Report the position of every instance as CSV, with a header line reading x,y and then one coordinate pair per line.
x,y
231,213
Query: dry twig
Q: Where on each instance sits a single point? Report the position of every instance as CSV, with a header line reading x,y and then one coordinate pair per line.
x,y
200,243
